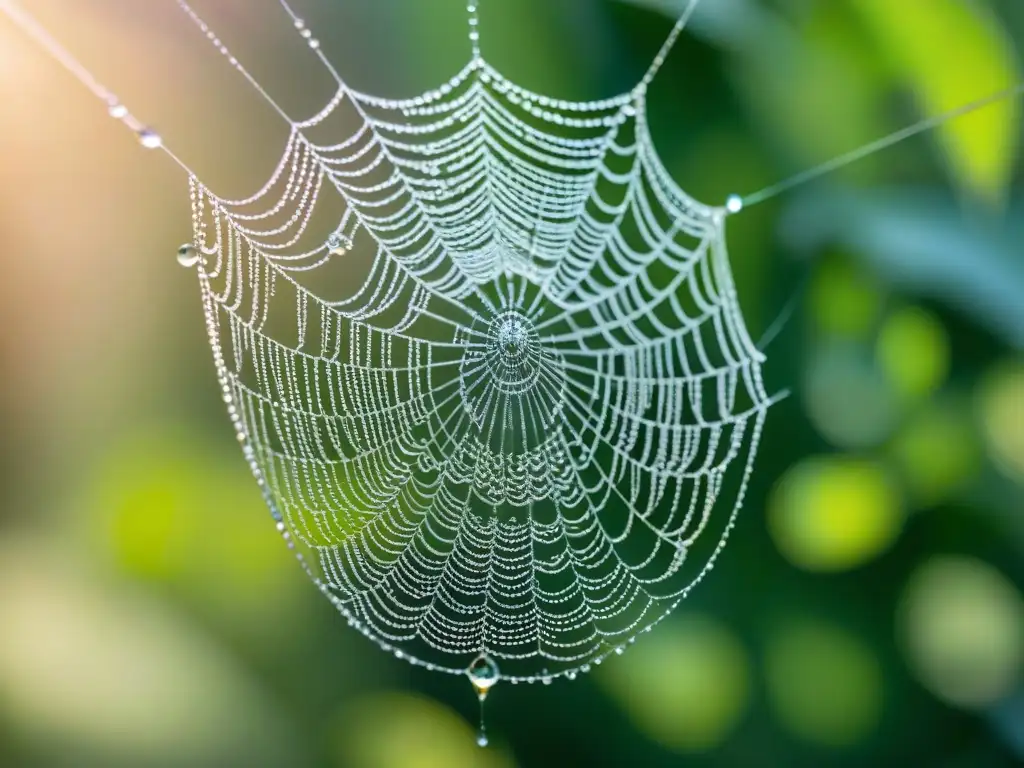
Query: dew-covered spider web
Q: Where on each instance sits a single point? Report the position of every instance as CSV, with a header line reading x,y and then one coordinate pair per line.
x,y
508,405
485,359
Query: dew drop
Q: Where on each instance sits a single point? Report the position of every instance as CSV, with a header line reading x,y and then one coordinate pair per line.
x,y
150,139
481,739
118,111
188,256
483,674
339,243
734,204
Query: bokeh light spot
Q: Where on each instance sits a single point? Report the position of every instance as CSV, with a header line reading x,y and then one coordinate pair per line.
x,y
168,511
844,300
685,686
849,401
1001,401
824,684
913,350
97,673
961,626
831,514
394,730
937,453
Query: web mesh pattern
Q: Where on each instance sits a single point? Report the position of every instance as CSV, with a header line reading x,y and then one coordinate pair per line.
x,y
486,362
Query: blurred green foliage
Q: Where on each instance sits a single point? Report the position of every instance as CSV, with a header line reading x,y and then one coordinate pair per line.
x,y
868,609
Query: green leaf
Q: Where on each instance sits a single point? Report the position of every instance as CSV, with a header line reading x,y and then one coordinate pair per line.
x,y
952,52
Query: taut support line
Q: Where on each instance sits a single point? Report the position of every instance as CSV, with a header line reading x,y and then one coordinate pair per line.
x,y
878,145
666,47
149,138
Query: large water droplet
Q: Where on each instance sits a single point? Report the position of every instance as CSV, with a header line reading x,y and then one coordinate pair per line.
x,y
481,739
188,255
483,674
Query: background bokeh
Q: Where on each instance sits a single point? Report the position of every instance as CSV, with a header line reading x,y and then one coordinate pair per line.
x,y
868,610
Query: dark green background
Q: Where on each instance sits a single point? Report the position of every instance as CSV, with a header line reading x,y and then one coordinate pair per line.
x,y
868,609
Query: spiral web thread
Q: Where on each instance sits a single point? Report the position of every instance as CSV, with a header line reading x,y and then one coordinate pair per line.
x,y
508,405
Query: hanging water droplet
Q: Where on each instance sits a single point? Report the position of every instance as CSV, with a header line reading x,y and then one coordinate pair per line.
x,y
188,255
619,651
734,204
117,111
483,674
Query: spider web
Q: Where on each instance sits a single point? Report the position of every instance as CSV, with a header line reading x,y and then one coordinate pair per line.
x,y
486,362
